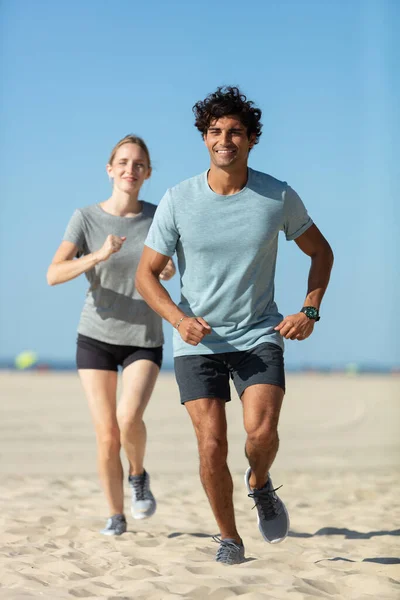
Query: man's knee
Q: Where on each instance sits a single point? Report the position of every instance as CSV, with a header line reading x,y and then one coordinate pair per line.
x,y
213,451
264,435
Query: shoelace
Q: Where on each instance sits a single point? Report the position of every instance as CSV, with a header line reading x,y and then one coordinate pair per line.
x,y
226,550
266,501
139,487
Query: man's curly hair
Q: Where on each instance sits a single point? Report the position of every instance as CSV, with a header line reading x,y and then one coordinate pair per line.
x,y
227,100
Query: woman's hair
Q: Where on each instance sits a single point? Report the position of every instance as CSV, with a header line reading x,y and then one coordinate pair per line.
x,y
130,139
226,101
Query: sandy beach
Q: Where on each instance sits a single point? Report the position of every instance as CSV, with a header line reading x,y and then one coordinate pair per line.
x,y
338,465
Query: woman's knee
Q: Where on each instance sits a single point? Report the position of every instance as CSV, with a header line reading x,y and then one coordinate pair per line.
x,y
108,441
129,423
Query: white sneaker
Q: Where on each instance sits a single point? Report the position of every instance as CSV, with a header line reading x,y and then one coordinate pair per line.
x,y
116,525
143,503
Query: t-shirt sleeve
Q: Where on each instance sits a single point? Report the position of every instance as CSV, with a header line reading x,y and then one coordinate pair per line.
x,y
75,231
296,218
163,234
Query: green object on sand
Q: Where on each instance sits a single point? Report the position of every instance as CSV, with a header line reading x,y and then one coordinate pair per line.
x,y
25,359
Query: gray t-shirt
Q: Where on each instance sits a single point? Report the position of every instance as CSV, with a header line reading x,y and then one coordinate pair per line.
x,y
114,312
226,248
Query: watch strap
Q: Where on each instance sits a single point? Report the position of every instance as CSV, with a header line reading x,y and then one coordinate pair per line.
x,y
311,312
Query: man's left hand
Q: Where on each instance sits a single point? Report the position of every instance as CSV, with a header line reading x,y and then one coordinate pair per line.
x,y
296,327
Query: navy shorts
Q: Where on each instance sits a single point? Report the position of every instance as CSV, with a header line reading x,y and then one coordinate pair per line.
x,y
94,354
207,375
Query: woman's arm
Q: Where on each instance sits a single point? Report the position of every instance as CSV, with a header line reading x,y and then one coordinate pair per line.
x,y
63,267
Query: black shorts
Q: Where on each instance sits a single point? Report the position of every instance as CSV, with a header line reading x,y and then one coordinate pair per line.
x,y
94,354
207,375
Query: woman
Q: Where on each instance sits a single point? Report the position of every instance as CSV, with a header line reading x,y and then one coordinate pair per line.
x,y
117,327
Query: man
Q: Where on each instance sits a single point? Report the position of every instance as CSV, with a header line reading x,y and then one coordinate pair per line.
x,y
224,226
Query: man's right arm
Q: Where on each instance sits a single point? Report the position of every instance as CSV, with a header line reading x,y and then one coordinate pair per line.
x,y
152,263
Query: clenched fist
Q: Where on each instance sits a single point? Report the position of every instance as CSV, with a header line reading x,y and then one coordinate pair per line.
x,y
168,271
193,329
112,245
296,327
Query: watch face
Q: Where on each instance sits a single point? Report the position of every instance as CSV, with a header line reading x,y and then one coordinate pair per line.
x,y
311,312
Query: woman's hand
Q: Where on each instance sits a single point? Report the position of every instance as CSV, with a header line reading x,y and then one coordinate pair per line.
x,y
112,245
168,271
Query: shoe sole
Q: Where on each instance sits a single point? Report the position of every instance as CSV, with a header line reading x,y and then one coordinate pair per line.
x,y
279,540
140,516
240,562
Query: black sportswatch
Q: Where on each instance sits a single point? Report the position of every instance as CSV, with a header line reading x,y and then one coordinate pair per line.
x,y
311,312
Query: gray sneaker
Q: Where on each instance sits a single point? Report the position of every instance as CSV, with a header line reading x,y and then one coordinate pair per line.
x,y
116,525
273,518
143,503
229,551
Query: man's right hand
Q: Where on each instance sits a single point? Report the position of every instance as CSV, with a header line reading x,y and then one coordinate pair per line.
x,y
112,245
193,329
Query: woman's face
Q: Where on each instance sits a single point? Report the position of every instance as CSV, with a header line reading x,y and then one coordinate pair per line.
x,y
130,168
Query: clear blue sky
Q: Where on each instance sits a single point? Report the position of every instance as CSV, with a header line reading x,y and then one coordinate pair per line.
x,y
79,75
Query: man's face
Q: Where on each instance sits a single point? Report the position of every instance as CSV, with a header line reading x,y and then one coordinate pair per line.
x,y
227,142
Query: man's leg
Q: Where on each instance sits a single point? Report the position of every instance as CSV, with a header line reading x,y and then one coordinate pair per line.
x,y
261,408
209,422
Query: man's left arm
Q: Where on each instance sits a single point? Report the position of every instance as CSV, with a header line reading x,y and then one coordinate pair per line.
x,y
300,326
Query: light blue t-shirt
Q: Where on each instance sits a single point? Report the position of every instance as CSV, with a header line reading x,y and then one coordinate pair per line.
x,y
226,248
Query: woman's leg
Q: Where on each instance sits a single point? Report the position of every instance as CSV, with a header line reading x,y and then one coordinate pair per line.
x,y
138,380
100,388
138,383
